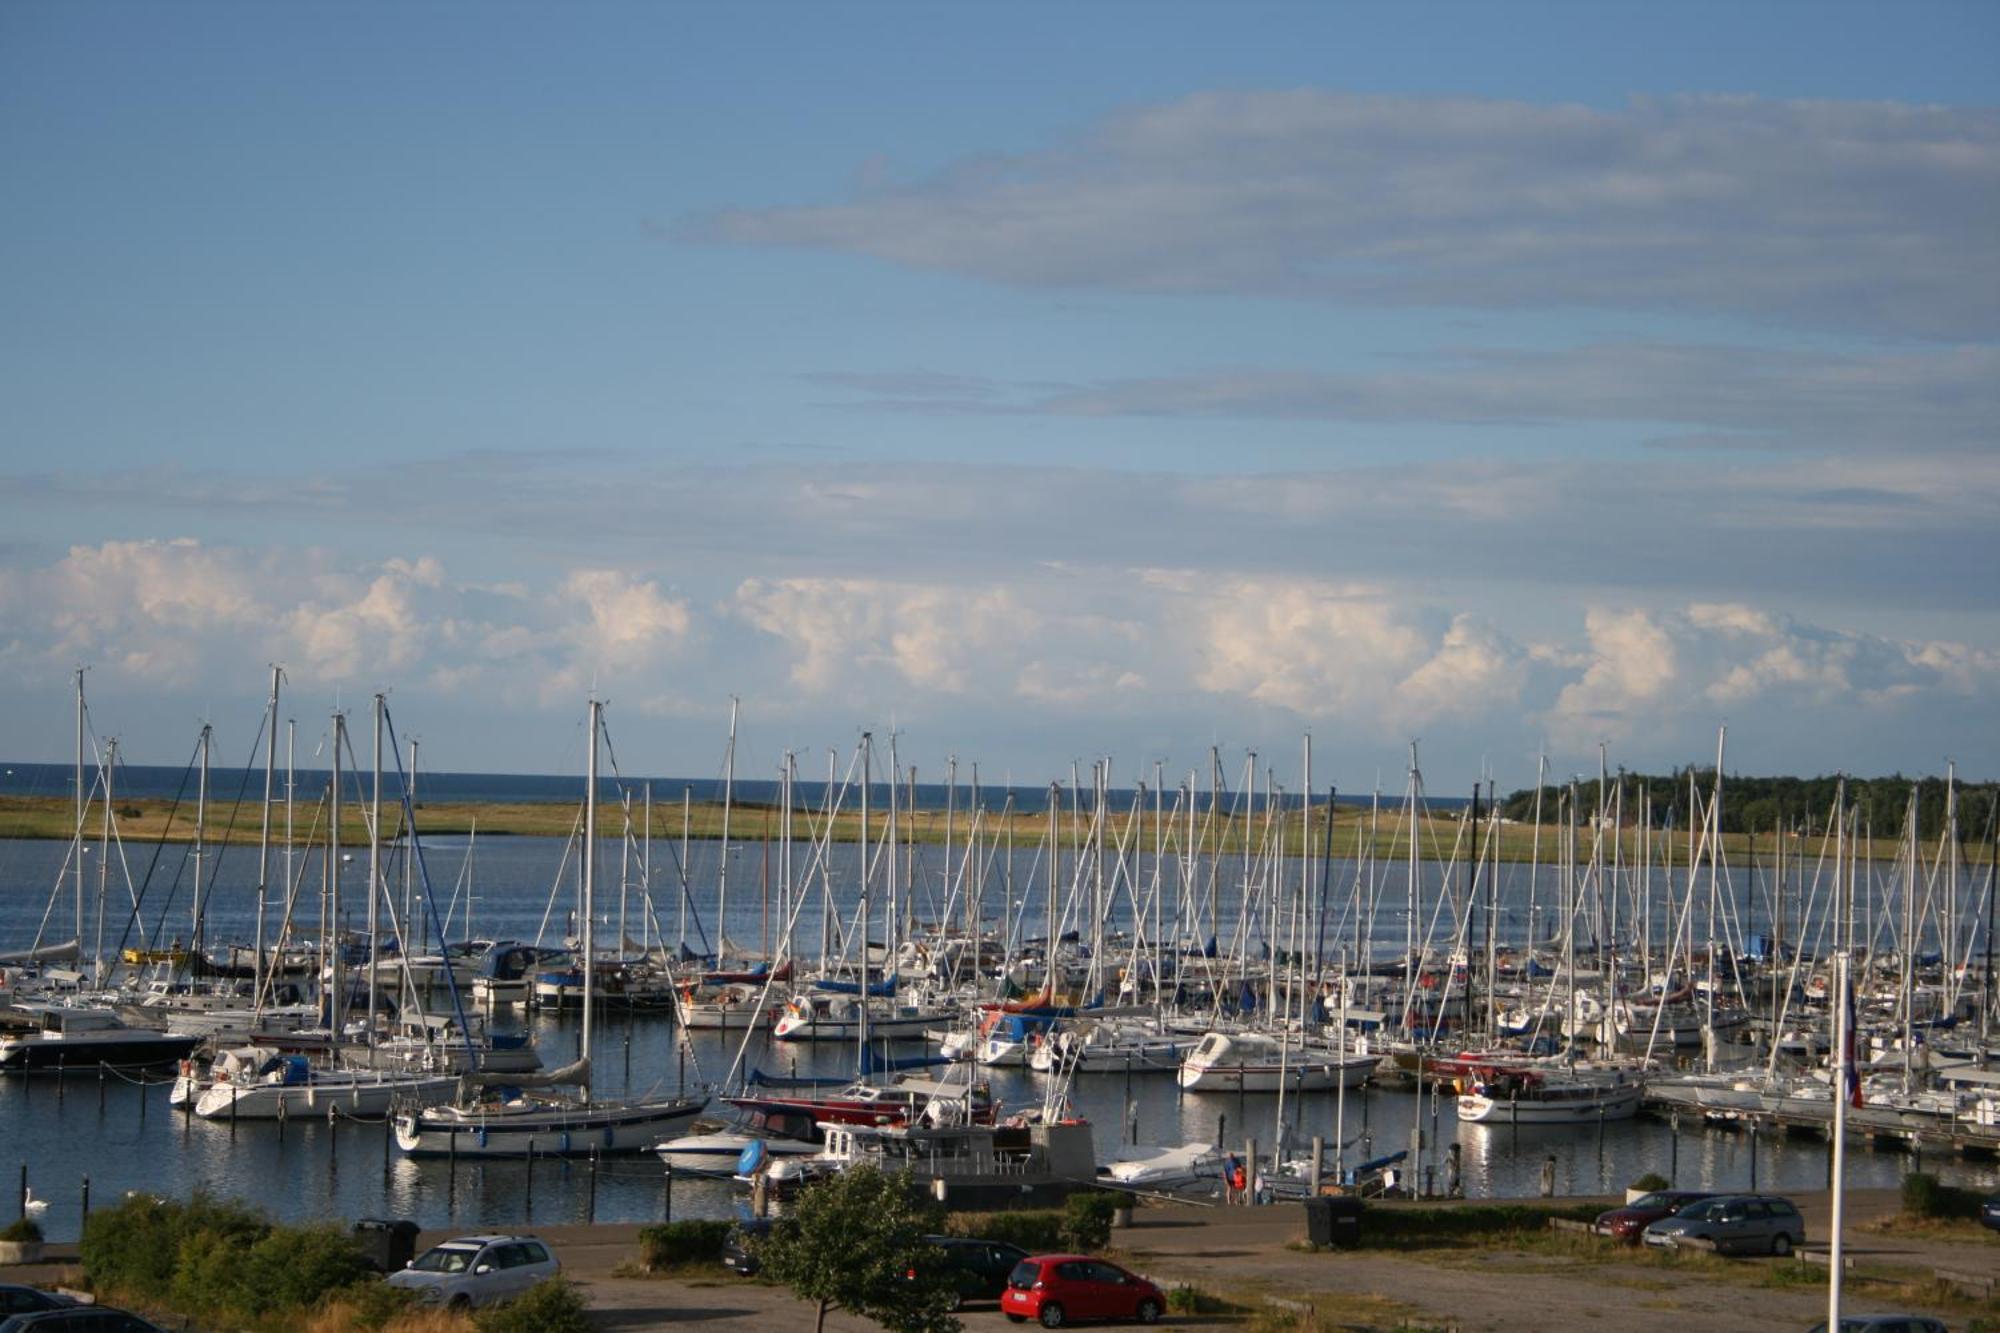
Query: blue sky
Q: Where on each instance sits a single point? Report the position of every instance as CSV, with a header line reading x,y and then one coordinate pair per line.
x,y
1045,380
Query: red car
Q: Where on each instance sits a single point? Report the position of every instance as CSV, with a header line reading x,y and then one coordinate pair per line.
x,y
1056,1288
1627,1224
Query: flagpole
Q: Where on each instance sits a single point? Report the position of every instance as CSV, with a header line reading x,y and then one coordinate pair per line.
x,y
1844,1072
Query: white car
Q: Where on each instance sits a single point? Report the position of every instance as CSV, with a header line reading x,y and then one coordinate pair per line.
x,y
477,1270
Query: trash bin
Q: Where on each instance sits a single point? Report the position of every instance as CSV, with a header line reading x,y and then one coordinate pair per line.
x,y
1319,1222
388,1245
1345,1220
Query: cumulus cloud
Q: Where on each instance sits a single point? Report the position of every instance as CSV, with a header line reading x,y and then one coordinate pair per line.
x,y
1090,649
1873,216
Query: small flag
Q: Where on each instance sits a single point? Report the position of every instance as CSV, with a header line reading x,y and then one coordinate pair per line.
x,y
1853,1067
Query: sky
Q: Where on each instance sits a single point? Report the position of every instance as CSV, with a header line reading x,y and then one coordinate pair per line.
x,y
1038,382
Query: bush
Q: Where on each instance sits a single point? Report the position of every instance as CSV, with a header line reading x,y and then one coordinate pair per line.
x,y
1418,1227
671,1244
547,1307
1087,1219
135,1247
22,1229
295,1267
1038,1231
1651,1181
1925,1196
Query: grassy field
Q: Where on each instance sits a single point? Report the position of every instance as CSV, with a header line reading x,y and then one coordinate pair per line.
x,y
1439,837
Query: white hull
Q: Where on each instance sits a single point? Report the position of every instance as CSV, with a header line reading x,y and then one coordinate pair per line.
x,y
717,1154
548,1129
348,1094
1611,1103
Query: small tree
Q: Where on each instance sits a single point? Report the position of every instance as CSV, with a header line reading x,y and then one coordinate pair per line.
x,y
856,1242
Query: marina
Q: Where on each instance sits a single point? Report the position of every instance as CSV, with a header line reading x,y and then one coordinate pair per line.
x,y
1414,1024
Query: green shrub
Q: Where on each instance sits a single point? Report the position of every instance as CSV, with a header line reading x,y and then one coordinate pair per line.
x,y
552,1306
1925,1196
1087,1219
25,1229
1418,1227
134,1248
210,1273
670,1244
298,1267
1651,1181
1038,1231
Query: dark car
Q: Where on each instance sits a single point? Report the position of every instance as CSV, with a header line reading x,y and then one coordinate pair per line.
x,y
739,1247
1059,1288
1734,1224
1627,1223
17,1299
1989,1212
1887,1323
78,1319
979,1268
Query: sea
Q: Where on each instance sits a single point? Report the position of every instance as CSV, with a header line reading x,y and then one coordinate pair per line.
x,y
80,1138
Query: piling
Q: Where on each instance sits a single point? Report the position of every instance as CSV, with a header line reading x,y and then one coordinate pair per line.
x,y
528,1199
86,1196
667,1194
1318,1161
23,1211
590,1214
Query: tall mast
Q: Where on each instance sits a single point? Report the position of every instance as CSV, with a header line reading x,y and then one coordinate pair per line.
x,y
728,799
76,855
375,873
861,1010
335,949
200,850
590,883
1055,845
264,833
103,863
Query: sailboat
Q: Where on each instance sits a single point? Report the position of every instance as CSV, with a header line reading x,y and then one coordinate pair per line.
x,y
510,1122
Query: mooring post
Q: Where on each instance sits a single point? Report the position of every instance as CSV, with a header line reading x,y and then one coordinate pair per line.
x,y
529,1200
86,1196
24,1190
1674,1152
1318,1163
1249,1171
667,1194
591,1214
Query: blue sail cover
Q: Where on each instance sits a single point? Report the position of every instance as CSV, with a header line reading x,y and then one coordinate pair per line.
x,y
854,987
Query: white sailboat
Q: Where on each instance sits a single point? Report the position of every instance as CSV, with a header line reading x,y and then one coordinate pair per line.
x,y
542,1123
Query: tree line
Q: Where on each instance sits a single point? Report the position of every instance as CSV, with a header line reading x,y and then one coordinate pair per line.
x,y
1765,805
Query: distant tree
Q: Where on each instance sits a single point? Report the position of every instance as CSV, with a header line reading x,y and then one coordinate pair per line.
x,y
856,1242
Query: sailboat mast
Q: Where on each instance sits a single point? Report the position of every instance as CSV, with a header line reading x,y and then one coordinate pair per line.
x,y
375,873
200,848
728,799
334,950
861,1010
1842,1040
590,882
76,854
264,833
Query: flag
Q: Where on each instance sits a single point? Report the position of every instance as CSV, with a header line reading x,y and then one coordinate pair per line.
x,y
1847,1060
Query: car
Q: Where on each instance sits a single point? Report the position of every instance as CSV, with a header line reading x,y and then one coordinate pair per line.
x,y
1734,1224
1886,1323
477,1270
18,1299
78,1319
739,1247
1058,1288
979,1269
1989,1212
1628,1223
